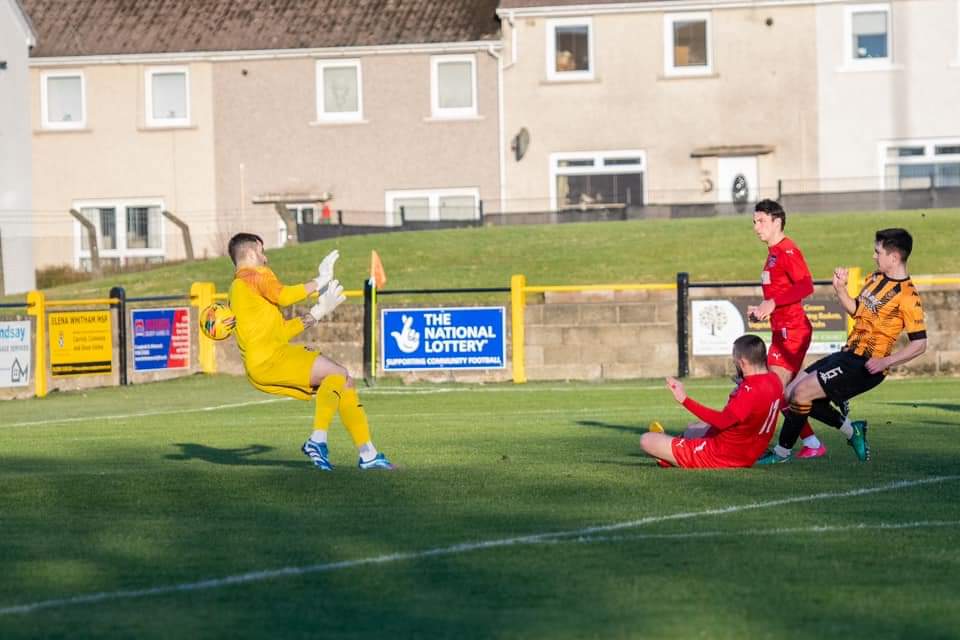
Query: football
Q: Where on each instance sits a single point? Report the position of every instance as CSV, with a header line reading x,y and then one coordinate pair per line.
x,y
217,321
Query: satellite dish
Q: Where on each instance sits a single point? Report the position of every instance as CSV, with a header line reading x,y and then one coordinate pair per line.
x,y
740,192
520,143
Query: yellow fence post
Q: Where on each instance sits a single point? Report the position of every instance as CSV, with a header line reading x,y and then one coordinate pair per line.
x,y
37,306
854,282
518,300
201,295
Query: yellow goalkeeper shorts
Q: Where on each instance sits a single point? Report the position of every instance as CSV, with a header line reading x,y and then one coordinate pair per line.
x,y
286,372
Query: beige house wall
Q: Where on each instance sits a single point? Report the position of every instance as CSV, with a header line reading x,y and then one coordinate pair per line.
x,y
913,97
269,140
762,92
117,157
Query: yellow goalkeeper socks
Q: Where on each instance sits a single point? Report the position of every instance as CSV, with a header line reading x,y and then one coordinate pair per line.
x,y
354,417
328,399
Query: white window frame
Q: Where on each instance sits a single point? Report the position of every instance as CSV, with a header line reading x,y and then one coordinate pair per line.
x,y
458,112
121,252
866,64
551,37
432,195
929,154
163,123
339,116
45,122
669,68
597,168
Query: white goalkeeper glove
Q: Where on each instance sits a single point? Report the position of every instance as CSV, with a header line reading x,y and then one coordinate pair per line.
x,y
325,270
329,300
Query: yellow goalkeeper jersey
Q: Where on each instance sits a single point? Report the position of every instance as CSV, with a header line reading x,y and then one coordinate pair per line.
x,y
256,296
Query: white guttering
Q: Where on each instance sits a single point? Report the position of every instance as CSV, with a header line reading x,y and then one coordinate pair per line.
x,y
268,54
657,6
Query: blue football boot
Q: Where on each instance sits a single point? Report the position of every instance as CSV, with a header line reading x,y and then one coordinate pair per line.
x,y
318,454
379,462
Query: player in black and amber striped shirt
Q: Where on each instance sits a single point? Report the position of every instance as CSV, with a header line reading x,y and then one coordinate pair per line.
x,y
887,305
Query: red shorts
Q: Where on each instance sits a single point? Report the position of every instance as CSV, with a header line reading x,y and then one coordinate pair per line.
x,y
700,453
788,348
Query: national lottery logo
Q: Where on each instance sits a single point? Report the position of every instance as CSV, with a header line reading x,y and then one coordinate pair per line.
x,y
408,338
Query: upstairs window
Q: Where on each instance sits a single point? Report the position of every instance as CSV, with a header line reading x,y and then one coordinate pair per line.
x,y
687,44
570,49
453,86
62,100
168,97
339,91
868,35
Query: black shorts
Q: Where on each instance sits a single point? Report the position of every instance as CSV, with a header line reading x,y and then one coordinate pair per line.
x,y
844,375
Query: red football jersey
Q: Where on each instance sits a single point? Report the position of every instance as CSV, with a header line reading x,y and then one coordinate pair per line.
x,y
755,404
784,268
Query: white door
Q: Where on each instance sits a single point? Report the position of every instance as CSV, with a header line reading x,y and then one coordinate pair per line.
x,y
737,179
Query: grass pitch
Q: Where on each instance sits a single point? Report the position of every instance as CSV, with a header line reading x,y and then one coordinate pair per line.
x,y
185,509
641,251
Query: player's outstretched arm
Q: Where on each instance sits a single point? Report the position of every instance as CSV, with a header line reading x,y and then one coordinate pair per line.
x,y
840,275
914,349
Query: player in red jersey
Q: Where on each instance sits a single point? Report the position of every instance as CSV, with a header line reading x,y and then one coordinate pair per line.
x,y
735,436
786,281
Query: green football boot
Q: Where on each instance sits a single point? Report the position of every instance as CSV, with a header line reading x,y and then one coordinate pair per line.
x,y
859,440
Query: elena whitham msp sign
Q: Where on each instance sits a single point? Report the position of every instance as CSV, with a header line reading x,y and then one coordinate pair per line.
x,y
454,338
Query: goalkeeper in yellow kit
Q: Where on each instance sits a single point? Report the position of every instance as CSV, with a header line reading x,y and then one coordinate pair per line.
x,y
275,366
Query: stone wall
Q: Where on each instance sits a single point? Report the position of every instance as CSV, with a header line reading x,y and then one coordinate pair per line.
x,y
569,336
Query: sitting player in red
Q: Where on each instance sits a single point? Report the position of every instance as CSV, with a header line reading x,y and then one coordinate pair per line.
x,y
735,436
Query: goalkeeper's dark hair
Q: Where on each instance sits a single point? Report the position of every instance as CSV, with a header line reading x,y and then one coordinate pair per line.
x,y
240,242
896,239
752,349
773,209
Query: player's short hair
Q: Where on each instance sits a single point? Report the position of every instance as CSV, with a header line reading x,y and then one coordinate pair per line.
x,y
751,348
896,239
240,243
773,209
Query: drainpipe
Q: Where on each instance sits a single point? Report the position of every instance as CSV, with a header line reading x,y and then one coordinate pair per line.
x,y
502,143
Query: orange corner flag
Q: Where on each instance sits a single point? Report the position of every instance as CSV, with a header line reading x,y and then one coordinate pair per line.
x,y
377,274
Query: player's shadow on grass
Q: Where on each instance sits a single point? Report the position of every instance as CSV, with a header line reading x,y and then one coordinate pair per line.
x,y
614,427
234,457
926,405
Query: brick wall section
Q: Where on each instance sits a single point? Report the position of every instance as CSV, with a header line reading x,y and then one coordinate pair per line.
x,y
601,335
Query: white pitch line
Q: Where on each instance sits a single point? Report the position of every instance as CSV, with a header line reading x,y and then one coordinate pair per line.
x,y
466,547
817,529
143,414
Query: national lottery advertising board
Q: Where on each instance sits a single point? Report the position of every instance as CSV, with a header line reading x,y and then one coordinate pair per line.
x,y
161,338
446,338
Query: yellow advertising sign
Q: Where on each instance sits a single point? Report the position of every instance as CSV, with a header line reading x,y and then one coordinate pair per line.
x,y
81,343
